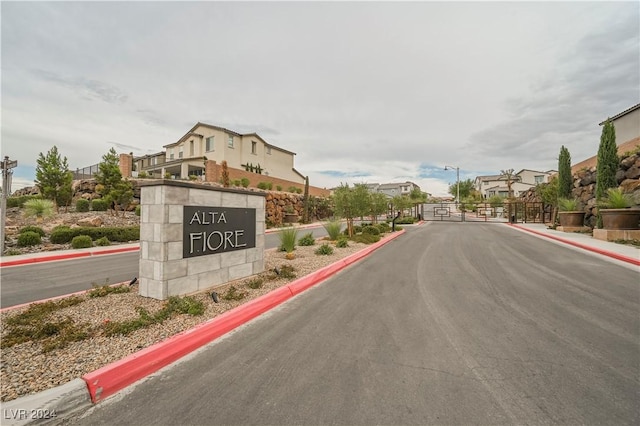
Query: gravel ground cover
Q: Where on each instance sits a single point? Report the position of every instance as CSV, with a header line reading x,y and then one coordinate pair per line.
x,y
26,368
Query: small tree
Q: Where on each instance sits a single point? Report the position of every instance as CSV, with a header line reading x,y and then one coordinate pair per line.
x,y
108,175
417,197
53,178
608,164
400,203
122,195
510,177
466,188
351,203
379,205
565,181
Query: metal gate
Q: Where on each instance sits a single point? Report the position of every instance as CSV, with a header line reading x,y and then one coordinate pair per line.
x,y
481,212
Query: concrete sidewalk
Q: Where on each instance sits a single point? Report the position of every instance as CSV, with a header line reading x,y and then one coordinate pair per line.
x,y
622,252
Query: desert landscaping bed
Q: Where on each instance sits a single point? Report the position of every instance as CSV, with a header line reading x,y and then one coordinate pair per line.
x,y
31,367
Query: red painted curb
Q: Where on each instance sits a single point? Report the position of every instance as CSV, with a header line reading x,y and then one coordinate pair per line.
x,y
583,246
114,377
64,256
111,378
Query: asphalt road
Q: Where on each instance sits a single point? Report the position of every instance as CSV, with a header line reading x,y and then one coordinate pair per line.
x,y
38,281
449,324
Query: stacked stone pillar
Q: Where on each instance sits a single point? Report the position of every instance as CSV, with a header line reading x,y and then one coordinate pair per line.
x,y
165,266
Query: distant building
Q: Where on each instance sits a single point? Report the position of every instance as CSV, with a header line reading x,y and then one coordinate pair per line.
x,y
525,179
393,189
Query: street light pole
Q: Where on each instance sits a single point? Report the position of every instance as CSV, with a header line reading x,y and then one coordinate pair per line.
x,y
457,180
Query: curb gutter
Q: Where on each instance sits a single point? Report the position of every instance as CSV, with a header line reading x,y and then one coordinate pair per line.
x,y
94,387
583,246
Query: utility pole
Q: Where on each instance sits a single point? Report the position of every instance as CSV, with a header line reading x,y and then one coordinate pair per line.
x,y
7,173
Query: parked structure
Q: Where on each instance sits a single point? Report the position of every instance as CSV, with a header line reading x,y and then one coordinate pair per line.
x,y
186,157
522,181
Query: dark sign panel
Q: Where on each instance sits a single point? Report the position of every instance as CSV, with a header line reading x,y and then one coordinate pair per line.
x,y
212,230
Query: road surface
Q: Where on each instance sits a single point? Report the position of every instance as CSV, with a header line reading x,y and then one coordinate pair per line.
x,y
448,324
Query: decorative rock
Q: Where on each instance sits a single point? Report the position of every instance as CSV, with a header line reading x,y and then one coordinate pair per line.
x,y
92,222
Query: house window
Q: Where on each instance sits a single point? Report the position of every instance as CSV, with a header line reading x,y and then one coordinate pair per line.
x,y
254,147
190,148
230,143
180,153
209,143
269,150
170,153
539,179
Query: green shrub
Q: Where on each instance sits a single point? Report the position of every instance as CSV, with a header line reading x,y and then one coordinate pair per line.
x,y
38,207
19,201
324,249
31,228
405,220
269,186
29,238
184,305
63,234
262,185
293,189
143,175
287,271
373,230
255,283
366,238
81,241
333,229
237,182
99,205
383,227
342,242
137,210
232,293
102,242
105,290
307,240
288,239
278,187
82,205
245,182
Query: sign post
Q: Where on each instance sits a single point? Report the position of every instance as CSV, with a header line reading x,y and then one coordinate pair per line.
x,y
7,173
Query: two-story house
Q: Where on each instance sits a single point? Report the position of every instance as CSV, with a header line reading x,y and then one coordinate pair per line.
x,y
393,189
186,156
522,181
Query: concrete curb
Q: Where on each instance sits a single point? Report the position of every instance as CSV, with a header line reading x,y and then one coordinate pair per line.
x,y
582,246
67,255
110,379
47,406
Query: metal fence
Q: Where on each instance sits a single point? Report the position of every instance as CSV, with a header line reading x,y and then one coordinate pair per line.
x,y
528,212
86,172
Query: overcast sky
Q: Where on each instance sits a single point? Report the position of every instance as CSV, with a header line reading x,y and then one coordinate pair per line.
x,y
362,92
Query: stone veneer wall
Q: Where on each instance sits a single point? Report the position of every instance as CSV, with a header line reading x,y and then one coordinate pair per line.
x,y
163,270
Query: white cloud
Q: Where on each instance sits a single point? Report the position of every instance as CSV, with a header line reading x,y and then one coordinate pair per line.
x,y
376,91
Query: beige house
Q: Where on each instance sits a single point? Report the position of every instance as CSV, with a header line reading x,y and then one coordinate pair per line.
x,y
186,156
522,181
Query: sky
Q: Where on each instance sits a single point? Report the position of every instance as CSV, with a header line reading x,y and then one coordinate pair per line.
x,y
362,92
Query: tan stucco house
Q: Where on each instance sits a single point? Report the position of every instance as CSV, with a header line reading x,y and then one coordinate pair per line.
x,y
186,156
522,181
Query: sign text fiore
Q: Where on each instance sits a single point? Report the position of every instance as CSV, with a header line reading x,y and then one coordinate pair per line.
x,y
212,230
